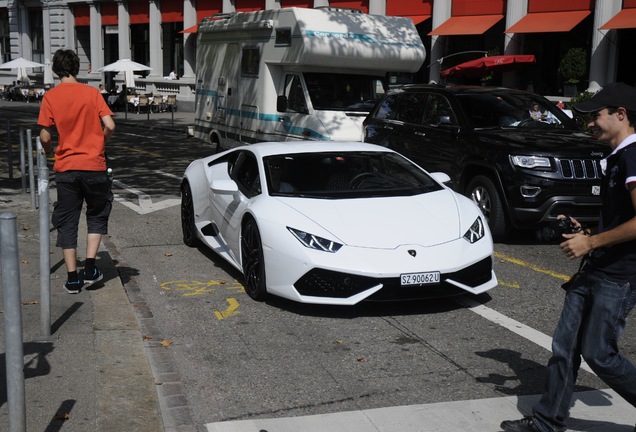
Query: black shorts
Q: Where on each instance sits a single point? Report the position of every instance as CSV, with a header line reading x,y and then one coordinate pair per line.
x,y
73,188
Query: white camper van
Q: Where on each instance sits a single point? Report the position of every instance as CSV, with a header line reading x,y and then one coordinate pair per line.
x,y
296,73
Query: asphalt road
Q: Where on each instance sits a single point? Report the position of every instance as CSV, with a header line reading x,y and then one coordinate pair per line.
x,y
240,359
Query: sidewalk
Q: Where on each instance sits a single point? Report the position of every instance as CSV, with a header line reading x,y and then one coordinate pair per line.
x,y
92,373
103,367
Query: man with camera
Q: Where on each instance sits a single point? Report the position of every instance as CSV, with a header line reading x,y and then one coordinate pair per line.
x,y
603,292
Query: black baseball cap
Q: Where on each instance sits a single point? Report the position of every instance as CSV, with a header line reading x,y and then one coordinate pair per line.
x,y
614,94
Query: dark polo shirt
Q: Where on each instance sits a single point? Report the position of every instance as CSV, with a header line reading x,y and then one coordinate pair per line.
x,y
617,262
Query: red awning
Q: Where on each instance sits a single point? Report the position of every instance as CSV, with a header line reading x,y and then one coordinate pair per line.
x,y
549,22
625,19
466,25
418,18
192,29
481,66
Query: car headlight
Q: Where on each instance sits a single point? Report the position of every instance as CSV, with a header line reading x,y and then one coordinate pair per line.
x,y
531,161
314,242
476,231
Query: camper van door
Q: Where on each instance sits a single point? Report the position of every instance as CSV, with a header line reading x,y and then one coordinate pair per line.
x,y
296,123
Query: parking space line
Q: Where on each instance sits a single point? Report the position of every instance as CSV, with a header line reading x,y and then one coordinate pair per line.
x,y
526,332
534,267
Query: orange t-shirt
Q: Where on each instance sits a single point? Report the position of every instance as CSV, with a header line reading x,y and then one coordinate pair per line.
x,y
76,111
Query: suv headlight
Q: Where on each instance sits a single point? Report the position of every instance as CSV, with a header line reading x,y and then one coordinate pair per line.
x,y
531,162
476,231
314,242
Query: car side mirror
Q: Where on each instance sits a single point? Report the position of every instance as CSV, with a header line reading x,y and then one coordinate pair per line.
x,y
281,103
441,177
223,186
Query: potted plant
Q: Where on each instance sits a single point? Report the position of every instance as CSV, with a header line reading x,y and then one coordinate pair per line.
x,y
572,67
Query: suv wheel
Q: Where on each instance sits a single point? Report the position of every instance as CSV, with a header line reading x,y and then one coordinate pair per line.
x,y
484,193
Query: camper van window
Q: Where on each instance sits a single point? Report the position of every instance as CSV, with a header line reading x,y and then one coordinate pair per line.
x,y
344,92
283,37
249,61
295,95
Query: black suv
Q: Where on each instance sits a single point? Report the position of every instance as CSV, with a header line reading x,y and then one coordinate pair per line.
x,y
523,166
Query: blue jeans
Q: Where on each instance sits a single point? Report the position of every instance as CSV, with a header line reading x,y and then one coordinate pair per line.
x,y
592,321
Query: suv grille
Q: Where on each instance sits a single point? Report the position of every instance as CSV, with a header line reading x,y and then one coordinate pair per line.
x,y
580,168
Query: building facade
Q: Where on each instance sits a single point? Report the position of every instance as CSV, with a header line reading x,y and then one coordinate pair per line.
x,y
162,35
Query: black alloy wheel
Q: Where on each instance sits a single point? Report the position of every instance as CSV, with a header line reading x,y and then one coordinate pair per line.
x,y
252,261
187,216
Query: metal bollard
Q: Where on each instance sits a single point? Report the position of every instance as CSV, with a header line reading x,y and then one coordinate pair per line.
x,y
45,242
31,169
12,322
22,161
9,150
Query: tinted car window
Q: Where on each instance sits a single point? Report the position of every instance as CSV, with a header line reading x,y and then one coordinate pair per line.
x,y
407,108
438,111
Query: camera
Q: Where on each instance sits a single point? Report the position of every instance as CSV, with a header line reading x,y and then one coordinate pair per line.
x,y
556,229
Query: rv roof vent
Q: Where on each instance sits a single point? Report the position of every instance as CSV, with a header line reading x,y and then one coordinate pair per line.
x,y
339,9
224,15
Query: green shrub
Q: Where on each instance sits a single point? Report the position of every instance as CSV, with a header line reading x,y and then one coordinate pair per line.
x,y
573,65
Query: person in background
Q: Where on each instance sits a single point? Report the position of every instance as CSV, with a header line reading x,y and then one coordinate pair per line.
x,y
173,75
102,90
84,123
600,296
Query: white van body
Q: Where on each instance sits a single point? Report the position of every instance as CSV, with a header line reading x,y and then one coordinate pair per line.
x,y
296,73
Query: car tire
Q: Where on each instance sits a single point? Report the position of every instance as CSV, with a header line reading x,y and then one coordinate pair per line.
x,y
187,216
484,193
252,261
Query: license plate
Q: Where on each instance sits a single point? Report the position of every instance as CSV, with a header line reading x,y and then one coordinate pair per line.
x,y
419,278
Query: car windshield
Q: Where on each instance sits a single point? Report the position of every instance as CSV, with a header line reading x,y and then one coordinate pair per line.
x,y
344,92
345,175
515,110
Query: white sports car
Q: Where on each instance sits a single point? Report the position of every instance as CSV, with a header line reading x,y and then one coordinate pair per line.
x,y
335,223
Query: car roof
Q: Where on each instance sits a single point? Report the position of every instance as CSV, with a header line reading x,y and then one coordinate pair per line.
x,y
264,149
460,89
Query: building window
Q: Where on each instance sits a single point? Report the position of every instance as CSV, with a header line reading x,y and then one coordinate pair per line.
x,y
5,40
37,35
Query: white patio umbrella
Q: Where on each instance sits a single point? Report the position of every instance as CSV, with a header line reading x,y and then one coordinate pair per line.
x,y
21,64
128,67
124,65
48,74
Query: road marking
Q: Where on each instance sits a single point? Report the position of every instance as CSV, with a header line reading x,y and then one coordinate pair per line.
x,y
230,311
146,205
143,151
509,284
536,268
508,323
163,173
191,288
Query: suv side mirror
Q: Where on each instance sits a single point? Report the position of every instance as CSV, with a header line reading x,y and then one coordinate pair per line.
x,y
281,103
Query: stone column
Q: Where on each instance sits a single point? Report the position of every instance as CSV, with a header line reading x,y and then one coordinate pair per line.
x,y
513,42
97,45
123,29
228,6
377,7
155,35
441,12
604,46
189,39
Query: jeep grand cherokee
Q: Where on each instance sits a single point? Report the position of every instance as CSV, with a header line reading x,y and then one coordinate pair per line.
x,y
522,169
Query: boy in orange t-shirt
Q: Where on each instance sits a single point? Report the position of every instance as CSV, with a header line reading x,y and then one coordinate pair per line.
x,y
84,123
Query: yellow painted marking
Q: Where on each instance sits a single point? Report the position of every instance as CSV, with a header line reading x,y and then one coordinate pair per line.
x,y
230,311
143,151
509,284
190,288
536,268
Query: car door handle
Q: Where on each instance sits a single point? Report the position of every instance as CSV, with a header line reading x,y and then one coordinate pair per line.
x,y
387,127
420,133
